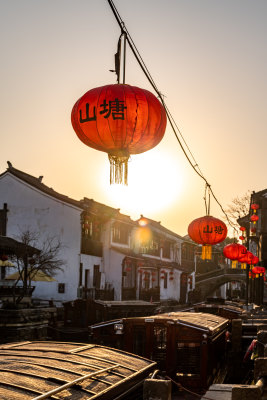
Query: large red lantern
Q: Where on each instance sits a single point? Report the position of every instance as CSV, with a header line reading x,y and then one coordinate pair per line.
x,y
207,231
120,120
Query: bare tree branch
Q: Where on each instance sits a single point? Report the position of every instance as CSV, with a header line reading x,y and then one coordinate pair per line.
x,y
238,208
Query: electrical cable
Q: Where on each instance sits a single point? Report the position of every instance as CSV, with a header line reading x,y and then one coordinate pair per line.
x,y
171,120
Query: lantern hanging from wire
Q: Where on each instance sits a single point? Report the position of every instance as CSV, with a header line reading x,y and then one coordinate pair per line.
x,y
255,207
207,231
120,120
234,252
254,260
254,218
247,258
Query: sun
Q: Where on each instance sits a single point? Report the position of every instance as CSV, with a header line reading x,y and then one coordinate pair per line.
x,y
154,183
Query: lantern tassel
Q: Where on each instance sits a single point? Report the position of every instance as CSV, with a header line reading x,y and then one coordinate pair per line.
x,y
118,169
206,252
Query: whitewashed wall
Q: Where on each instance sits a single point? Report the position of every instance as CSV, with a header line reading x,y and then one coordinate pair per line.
x,y
29,208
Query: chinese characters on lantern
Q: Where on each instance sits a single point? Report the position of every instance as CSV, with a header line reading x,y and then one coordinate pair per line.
x,y
115,108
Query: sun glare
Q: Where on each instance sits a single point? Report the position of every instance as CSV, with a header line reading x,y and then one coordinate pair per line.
x,y
154,183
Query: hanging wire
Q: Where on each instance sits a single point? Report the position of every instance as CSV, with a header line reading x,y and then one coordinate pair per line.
x,y
171,120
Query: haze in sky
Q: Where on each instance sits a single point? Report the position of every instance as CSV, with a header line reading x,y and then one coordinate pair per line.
x,y
207,57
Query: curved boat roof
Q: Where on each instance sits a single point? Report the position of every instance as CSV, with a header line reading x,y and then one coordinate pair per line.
x,y
196,320
58,370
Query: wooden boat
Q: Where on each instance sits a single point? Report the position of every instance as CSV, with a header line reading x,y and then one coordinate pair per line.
x,y
188,346
58,370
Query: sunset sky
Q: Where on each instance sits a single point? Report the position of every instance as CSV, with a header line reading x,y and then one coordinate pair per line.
x,y
207,57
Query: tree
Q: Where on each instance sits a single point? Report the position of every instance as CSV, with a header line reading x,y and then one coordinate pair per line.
x,y
37,256
238,208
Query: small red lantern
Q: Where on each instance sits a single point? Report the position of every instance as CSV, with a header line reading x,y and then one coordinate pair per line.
x,y
253,230
242,238
255,260
171,278
254,206
247,258
119,120
242,228
207,231
128,261
254,218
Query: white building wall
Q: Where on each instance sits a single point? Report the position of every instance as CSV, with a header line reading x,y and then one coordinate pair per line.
x,y
31,209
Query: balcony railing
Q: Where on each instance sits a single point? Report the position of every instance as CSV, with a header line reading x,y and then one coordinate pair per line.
x,y
150,294
99,294
91,247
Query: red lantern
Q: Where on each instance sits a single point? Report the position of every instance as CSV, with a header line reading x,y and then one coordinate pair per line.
x,y
242,238
207,231
255,260
119,120
247,258
242,228
171,278
254,207
253,230
128,261
254,218
234,251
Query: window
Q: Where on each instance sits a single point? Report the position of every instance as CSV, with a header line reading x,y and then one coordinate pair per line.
x,y
86,278
151,247
160,337
3,220
188,358
96,277
165,280
61,288
120,233
166,250
90,227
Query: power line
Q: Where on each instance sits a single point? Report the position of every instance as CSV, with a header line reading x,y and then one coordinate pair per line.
x,y
171,120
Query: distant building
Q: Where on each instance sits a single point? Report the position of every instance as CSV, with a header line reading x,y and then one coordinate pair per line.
x,y
256,232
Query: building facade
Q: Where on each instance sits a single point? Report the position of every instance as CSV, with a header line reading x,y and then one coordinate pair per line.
x,y
106,254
